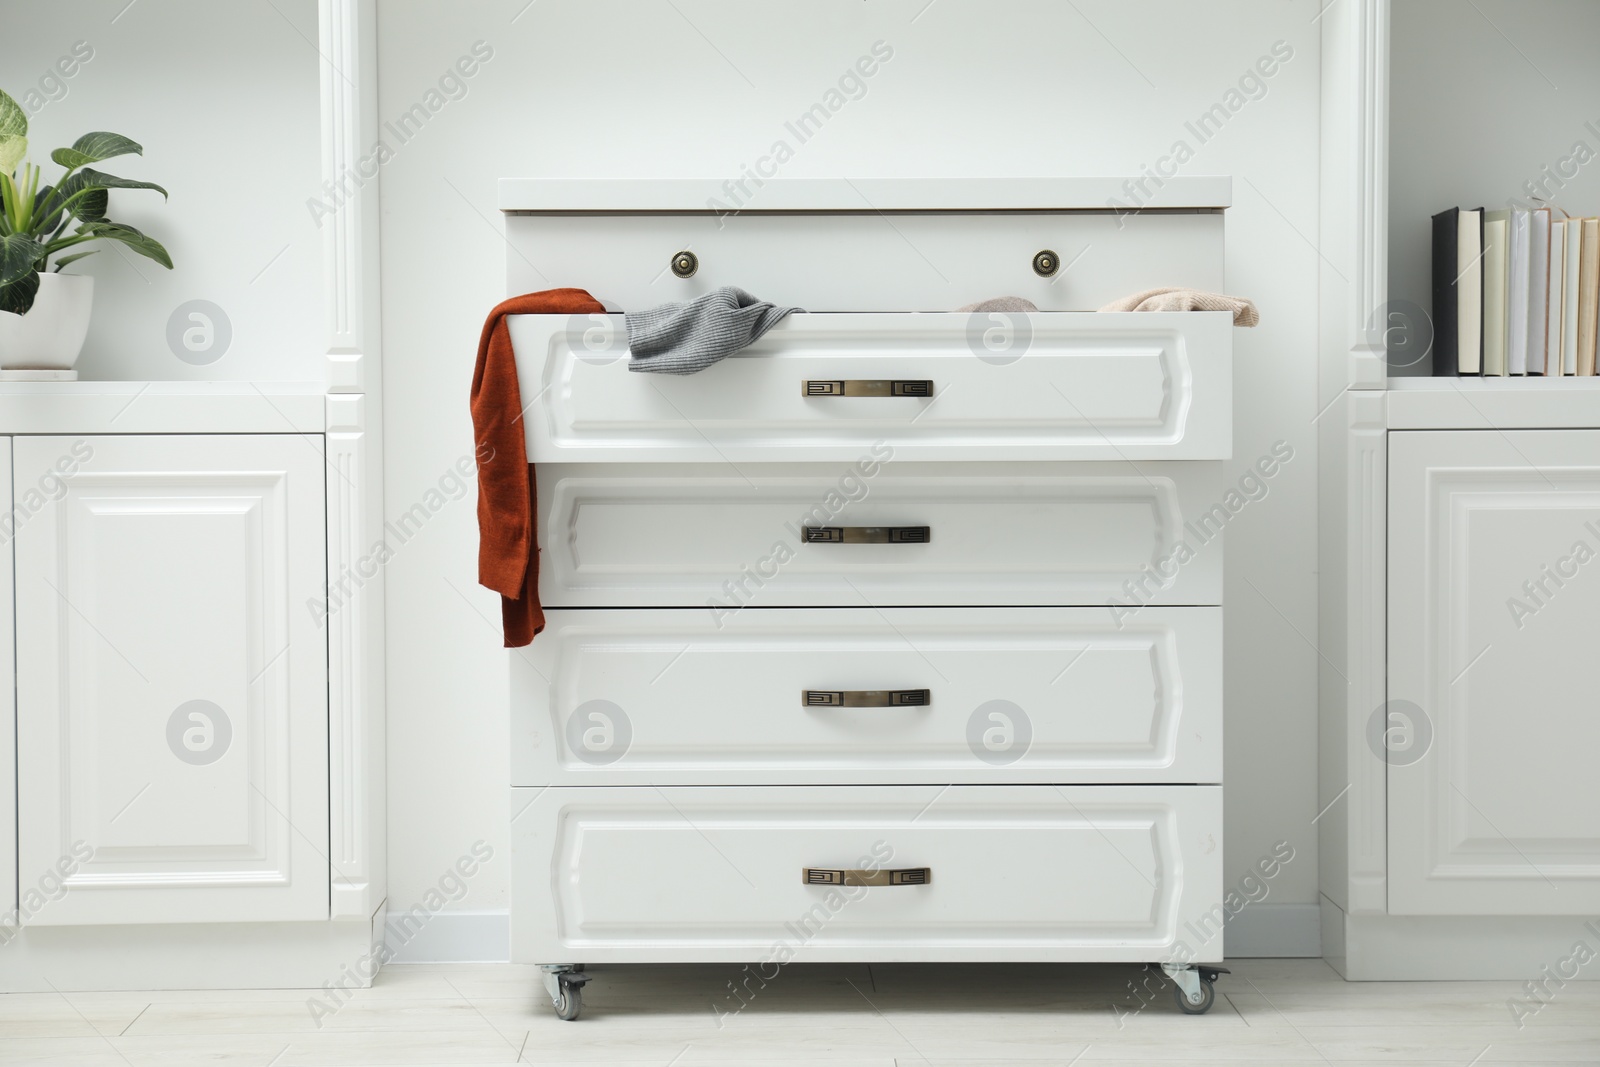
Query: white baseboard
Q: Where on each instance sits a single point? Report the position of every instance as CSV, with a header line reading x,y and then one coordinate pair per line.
x,y
283,955
1434,948
451,937
1260,931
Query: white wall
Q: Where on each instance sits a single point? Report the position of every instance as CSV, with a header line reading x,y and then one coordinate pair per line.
x,y
699,87
223,97
635,88
1482,102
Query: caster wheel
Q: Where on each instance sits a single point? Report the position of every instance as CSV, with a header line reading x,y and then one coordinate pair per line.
x,y
570,1002
1208,997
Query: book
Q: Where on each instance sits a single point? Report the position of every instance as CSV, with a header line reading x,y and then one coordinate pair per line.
x,y
1446,265
1556,288
1538,287
1569,298
1588,295
1496,270
1519,252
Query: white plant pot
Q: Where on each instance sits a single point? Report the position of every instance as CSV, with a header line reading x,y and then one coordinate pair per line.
x,y
50,335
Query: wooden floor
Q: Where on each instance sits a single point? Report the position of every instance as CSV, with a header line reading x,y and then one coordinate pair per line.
x,y
1267,1012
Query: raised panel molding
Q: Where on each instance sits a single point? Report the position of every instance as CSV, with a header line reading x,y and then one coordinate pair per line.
x,y
244,516
1490,618
698,700
1151,386
353,606
1067,534
173,694
726,864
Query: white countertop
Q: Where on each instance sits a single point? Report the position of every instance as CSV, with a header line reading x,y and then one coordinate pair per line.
x,y
602,196
161,407
1475,403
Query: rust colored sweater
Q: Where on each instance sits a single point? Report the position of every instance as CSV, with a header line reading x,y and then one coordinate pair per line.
x,y
508,549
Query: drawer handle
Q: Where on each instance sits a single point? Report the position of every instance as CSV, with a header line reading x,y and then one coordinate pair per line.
x,y
869,387
829,876
868,535
866,698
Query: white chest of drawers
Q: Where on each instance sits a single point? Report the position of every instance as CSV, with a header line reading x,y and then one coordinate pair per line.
x,y
927,677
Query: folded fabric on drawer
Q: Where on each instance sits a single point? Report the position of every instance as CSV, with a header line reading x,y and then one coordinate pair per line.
x,y
508,553
1172,299
684,338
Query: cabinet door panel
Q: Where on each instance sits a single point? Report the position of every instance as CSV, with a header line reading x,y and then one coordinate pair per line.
x,y
9,916
1494,624
174,706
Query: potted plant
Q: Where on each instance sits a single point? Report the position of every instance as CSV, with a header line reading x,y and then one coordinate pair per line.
x,y
44,314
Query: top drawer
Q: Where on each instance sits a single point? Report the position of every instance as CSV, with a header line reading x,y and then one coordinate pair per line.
x,y
1043,386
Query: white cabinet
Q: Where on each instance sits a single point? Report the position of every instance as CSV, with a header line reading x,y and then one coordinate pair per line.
x,y
1493,632
172,705
945,583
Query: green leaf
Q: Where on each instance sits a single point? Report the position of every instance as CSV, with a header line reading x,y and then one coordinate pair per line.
x,y
138,242
93,147
17,297
18,253
64,260
92,208
13,134
88,178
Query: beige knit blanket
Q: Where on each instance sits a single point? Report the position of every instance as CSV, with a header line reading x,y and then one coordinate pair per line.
x,y
1244,312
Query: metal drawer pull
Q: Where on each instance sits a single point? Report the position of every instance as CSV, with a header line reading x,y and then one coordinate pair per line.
x,y
827,876
869,387
866,698
868,535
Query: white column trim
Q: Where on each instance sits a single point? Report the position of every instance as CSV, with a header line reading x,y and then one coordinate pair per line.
x,y
354,472
1355,149
1353,504
1367,490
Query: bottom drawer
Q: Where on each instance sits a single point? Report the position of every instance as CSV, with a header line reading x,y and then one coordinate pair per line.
x,y
1012,873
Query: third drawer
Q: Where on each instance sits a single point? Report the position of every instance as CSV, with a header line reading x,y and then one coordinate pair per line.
x,y
863,695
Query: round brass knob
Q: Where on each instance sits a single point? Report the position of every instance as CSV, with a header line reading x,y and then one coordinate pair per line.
x,y
1046,263
685,263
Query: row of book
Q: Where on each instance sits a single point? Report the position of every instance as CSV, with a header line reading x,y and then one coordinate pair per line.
x,y
1515,292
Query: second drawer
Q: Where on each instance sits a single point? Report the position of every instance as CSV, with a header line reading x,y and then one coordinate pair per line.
x,y
1046,534
903,695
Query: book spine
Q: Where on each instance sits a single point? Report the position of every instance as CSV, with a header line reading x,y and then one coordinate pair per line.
x,y
1446,309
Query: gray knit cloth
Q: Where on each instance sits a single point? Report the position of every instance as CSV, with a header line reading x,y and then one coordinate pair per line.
x,y
689,337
